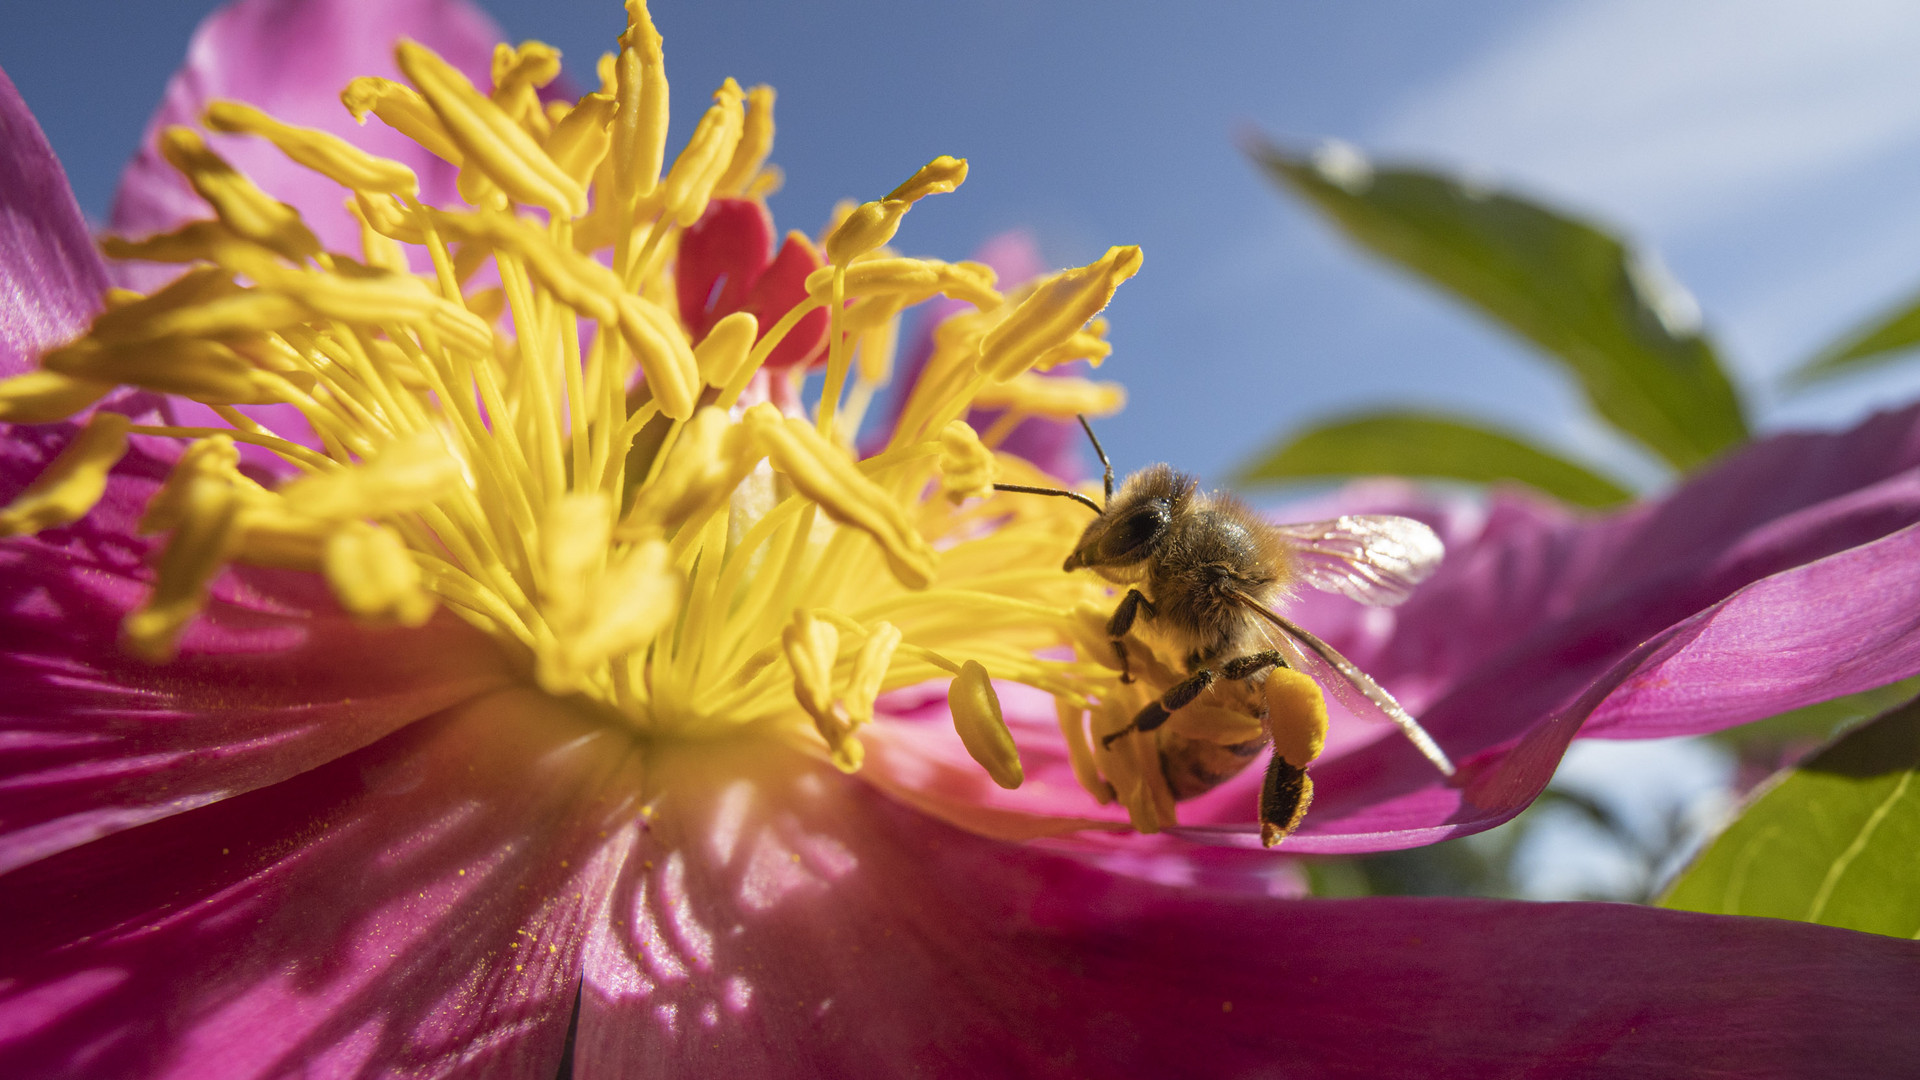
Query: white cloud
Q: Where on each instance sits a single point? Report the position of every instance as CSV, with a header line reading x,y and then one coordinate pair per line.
x,y
1674,114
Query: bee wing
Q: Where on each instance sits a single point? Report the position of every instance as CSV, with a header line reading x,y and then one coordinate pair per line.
x,y
1344,679
1373,558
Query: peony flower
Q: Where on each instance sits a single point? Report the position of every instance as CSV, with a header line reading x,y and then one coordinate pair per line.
x,y
454,739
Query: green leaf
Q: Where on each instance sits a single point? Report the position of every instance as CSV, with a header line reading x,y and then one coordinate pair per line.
x,y
1883,339
1561,283
1418,444
1820,722
1836,841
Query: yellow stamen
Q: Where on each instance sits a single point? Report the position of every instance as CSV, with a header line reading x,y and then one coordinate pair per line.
x,y
242,207
940,176
911,281
405,475
870,671
325,153
633,599
724,351
203,504
976,716
73,482
701,471
42,397
825,474
1089,344
203,370
1054,312
1054,397
517,74
375,577
488,137
756,142
966,466
1072,717
871,225
404,110
812,645
640,125
581,140
689,185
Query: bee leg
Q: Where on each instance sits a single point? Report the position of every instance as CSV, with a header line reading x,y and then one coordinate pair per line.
x,y
1176,698
1284,797
1130,606
1246,667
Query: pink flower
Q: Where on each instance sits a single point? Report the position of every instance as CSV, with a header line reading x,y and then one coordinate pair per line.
x,y
308,847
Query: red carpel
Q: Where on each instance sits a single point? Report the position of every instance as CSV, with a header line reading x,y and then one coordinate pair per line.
x,y
727,263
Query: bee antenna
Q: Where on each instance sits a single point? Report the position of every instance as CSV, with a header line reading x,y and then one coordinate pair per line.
x,y
1107,479
1062,492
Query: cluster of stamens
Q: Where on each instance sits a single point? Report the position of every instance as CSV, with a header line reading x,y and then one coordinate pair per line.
x,y
509,419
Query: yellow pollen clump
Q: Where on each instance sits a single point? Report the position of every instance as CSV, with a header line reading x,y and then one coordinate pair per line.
x,y
510,422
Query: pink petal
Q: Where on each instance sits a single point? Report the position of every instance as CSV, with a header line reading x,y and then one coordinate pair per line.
x,y
914,756
1544,601
780,921
292,58
51,279
720,258
273,680
416,908
1748,657
777,291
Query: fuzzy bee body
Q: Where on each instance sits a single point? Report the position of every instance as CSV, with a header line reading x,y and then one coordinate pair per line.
x,y
1196,766
1204,575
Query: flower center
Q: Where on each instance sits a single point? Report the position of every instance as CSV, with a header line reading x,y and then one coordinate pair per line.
x,y
508,419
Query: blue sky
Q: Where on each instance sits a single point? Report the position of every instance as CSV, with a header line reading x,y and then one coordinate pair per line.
x,y
1768,151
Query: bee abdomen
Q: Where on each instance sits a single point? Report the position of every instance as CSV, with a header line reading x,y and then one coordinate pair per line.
x,y
1195,766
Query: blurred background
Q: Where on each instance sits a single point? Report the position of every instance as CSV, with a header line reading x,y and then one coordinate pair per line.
x,y
1767,151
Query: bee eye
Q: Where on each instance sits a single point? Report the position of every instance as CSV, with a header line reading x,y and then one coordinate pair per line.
x,y
1132,537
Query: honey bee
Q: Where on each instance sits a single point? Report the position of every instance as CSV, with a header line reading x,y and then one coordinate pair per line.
x,y
1204,574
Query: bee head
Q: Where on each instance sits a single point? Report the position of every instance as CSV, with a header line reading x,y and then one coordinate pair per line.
x,y
1135,523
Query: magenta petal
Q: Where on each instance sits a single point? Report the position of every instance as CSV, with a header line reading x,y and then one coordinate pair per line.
x,y
1774,646
913,754
273,680
1748,657
416,908
292,58
1543,602
774,923
51,279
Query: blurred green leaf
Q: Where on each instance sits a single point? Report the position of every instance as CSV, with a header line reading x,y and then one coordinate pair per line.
x,y
1836,841
1820,722
1629,336
1882,339
1419,444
